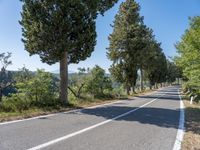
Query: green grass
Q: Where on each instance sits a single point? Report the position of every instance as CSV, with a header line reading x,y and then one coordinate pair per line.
x,y
73,104
32,112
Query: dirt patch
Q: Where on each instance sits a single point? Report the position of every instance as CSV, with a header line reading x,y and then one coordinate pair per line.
x,y
191,139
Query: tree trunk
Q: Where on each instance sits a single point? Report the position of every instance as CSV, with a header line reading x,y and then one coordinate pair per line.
x,y
141,80
133,88
178,81
127,90
64,79
156,86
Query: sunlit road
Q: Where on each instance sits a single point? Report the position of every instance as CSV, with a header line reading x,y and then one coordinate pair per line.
x,y
145,123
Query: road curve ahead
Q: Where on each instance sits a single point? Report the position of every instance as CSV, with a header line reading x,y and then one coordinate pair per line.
x,y
146,123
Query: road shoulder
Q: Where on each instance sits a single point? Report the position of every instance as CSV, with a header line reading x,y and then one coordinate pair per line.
x,y
191,139
35,114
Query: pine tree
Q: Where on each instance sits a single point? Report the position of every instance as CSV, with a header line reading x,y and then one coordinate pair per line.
x,y
189,53
126,43
61,31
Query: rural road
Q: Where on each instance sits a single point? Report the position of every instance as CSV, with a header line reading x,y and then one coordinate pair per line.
x,y
148,122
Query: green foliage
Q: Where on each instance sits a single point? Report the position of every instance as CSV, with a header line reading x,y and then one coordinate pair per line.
x,y
77,82
189,53
61,31
15,102
33,90
40,89
157,69
126,43
173,72
133,47
4,59
23,75
6,82
98,83
53,27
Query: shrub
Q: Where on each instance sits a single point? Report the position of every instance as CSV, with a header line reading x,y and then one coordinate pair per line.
x,y
14,103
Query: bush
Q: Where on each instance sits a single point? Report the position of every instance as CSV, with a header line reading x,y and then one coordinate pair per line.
x,y
14,103
39,89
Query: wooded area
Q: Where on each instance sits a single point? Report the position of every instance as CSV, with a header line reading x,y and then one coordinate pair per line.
x,y
58,33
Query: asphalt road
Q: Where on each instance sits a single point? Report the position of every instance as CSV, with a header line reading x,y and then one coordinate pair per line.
x,y
145,123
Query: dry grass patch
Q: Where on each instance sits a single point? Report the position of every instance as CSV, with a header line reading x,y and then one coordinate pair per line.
x,y
33,112
75,104
191,139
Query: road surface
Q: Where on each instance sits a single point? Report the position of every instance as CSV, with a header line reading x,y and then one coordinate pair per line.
x,y
145,123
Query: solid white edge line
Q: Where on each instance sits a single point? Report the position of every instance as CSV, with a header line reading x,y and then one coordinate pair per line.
x,y
89,128
54,114
181,128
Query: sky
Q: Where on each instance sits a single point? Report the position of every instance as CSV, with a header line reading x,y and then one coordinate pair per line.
x,y
167,18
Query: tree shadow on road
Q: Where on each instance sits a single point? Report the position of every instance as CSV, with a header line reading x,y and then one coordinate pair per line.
x,y
167,118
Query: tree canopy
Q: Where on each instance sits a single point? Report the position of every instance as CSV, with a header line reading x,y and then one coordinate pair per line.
x,y
61,31
133,47
189,53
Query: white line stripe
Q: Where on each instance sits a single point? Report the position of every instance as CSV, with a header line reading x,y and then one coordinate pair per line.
x,y
89,128
181,128
54,114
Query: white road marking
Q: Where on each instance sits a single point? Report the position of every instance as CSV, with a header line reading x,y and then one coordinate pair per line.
x,y
54,114
181,128
89,128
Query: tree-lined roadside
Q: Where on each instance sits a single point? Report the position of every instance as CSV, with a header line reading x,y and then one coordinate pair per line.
x,y
74,104
147,122
188,49
57,33
133,47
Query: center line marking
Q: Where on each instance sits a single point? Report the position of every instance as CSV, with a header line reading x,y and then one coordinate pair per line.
x,y
89,128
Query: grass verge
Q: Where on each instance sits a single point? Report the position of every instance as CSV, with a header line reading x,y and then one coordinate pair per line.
x,y
33,112
75,104
191,140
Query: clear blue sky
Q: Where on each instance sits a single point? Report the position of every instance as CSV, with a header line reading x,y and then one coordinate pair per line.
x,y
168,19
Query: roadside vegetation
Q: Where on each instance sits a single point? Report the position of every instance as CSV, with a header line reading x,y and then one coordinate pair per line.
x,y
58,33
191,139
188,60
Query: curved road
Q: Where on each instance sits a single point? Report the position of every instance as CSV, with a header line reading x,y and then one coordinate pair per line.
x,y
145,123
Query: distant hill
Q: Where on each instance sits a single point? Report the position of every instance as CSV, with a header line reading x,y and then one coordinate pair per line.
x,y
58,71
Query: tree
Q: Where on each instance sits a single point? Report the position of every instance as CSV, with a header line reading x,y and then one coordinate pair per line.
x,y
5,77
98,82
173,72
189,53
38,88
126,43
77,82
147,52
61,31
23,75
157,70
